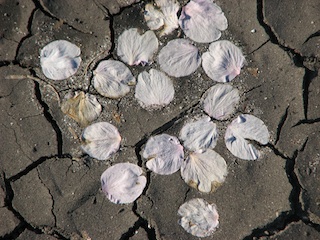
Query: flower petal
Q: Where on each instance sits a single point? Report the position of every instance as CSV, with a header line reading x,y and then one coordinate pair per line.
x,y
202,21
112,79
199,134
164,154
220,101
100,140
242,128
179,58
198,217
82,107
223,61
205,171
154,89
134,48
123,182
60,59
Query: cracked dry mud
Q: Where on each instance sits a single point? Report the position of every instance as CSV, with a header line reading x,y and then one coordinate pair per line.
x,y
50,190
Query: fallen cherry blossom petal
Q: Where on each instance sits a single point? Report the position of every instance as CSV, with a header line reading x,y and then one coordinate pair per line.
x,y
202,21
60,59
223,61
179,58
164,154
204,171
112,79
242,128
220,101
135,49
100,140
198,217
199,134
123,182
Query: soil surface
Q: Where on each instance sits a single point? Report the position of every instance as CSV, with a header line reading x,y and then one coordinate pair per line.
x,y
50,189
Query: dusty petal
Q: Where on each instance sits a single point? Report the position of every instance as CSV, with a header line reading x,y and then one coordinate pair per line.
x,y
179,58
198,217
164,154
154,89
205,171
220,101
199,134
202,21
123,182
100,140
223,61
112,79
134,48
165,15
242,128
82,107
60,59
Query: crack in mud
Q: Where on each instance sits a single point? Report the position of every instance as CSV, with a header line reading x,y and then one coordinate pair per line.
x,y
307,79
281,124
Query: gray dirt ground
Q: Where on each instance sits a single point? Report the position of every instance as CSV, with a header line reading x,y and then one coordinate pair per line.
x,y
49,189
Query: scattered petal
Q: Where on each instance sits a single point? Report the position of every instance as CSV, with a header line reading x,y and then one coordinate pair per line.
x,y
199,134
223,61
204,171
245,127
100,140
123,182
220,101
82,107
179,58
134,48
60,59
202,21
164,154
112,79
154,89
198,217
165,17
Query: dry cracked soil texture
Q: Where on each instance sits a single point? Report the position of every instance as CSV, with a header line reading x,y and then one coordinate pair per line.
x,y
49,189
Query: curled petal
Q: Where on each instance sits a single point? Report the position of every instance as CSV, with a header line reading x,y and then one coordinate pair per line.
x,y
245,127
112,79
179,58
202,21
164,154
223,61
154,89
100,140
134,48
60,59
205,171
198,217
199,134
123,182
220,101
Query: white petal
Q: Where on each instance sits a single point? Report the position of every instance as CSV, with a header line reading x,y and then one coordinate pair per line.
x,y
202,21
198,217
100,140
134,48
220,101
166,16
154,89
205,171
242,128
123,182
111,79
60,59
179,58
199,134
223,61
83,108
164,154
